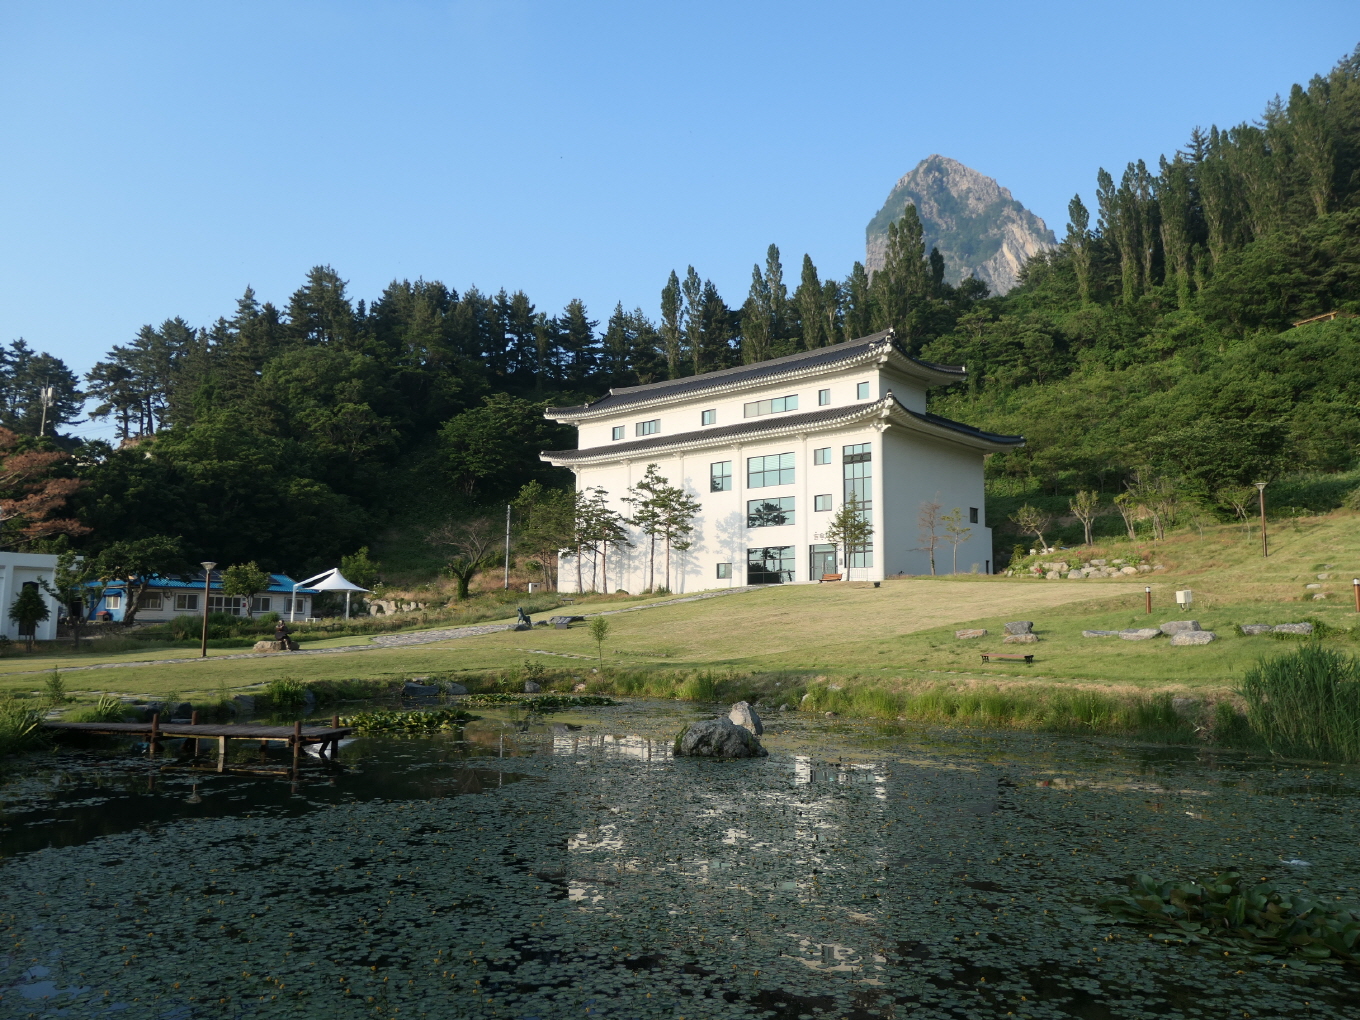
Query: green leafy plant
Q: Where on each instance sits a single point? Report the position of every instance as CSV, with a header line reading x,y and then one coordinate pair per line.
x,y
54,689
107,709
286,693
20,727
408,724
1306,703
541,702
599,630
28,610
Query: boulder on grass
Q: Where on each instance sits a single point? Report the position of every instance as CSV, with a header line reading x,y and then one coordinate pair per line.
x,y
268,646
1100,633
1142,634
531,688
1256,628
451,688
1020,639
717,738
964,635
1193,637
1020,627
1293,628
744,715
1179,626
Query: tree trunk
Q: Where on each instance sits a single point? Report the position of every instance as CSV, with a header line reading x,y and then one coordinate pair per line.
x,y
668,561
604,565
579,581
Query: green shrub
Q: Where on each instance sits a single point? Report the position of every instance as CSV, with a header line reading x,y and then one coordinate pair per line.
x,y
106,709
1306,703
20,727
286,693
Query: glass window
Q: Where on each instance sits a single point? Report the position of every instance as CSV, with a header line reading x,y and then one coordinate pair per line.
x,y
862,391
857,467
972,515
778,404
113,602
724,570
771,564
822,456
773,470
186,601
616,432
649,428
821,503
301,606
224,604
149,600
708,417
720,476
822,559
261,604
769,513
823,397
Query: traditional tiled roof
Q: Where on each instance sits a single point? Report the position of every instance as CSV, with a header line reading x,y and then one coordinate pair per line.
x,y
865,349
278,583
889,408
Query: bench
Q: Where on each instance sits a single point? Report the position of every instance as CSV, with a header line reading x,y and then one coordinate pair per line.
x,y
1026,659
830,577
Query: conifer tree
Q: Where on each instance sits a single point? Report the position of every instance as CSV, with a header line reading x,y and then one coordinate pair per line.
x,y
808,299
1078,242
671,304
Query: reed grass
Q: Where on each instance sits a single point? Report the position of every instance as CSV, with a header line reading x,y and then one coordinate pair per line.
x,y
106,709
20,727
1306,703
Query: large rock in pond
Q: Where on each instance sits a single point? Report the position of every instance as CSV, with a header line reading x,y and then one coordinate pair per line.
x,y
452,688
411,689
1179,626
1193,637
243,704
744,715
717,738
532,688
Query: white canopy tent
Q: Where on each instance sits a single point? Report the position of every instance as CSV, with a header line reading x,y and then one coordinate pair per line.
x,y
330,580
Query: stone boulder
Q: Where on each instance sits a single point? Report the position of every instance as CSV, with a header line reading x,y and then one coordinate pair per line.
x,y
415,690
1142,634
532,688
1252,629
1293,628
181,711
1100,633
1020,639
744,715
1128,570
450,688
964,635
1020,627
268,646
243,704
717,738
1179,626
1193,637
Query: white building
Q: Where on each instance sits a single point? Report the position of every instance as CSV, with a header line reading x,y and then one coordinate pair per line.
x,y
17,570
770,450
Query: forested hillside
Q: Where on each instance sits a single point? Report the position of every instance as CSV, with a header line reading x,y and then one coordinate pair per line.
x,y
1155,341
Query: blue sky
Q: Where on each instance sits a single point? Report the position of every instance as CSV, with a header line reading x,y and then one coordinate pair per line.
x,y
159,157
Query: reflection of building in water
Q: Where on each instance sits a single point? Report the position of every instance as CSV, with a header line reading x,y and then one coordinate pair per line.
x,y
611,745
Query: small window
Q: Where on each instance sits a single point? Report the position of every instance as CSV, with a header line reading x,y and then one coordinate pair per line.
x,y
186,602
113,602
774,470
822,456
288,606
769,513
862,391
649,428
149,600
972,515
720,476
779,404
616,432
823,397
724,571
708,417
821,503
262,604
224,604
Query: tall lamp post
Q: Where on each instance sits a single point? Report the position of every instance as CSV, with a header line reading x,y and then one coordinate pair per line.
x,y
1261,492
207,566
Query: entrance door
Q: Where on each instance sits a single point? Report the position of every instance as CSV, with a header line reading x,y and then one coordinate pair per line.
x,y
823,561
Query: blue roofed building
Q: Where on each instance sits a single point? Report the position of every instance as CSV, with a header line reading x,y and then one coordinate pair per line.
x,y
168,597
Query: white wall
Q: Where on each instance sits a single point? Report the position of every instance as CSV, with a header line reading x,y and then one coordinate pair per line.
x,y
916,470
15,569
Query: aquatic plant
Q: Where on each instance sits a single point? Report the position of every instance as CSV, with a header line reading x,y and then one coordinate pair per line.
x,y
1306,703
20,727
285,692
391,723
1251,917
540,702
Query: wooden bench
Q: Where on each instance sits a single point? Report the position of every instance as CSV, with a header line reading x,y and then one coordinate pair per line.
x,y
830,577
1028,660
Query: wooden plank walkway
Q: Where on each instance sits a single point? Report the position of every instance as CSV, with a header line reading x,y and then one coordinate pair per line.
x,y
296,736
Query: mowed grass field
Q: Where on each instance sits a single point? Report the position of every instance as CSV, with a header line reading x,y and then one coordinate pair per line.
x,y
900,632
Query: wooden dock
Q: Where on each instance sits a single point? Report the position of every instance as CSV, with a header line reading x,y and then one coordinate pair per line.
x,y
296,736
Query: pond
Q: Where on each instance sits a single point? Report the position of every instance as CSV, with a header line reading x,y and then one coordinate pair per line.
x,y
567,865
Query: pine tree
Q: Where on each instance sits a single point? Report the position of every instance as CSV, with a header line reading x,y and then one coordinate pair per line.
x,y
671,304
859,314
1078,242
693,290
808,299
756,320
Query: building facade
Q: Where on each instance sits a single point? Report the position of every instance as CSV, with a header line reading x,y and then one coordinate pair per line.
x,y
18,570
168,597
770,451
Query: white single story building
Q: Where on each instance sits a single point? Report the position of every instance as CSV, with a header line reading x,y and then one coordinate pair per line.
x,y
18,570
169,597
771,450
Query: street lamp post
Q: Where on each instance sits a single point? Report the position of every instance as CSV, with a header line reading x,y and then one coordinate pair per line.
x,y
207,566
1147,593
1355,586
1261,492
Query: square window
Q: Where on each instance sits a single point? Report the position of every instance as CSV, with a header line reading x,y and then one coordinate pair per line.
x,y
724,570
186,602
649,428
769,513
972,515
263,604
823,397
113,602
821,503
720,476
616,432
149,600
862,391
708,417
771,564
773,470
822,456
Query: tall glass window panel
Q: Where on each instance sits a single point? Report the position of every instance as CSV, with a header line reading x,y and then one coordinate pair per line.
x,y
724,571
769,513
771,564
862,391
821,504
857,465
616,432
822,456
823,397
758,407
720,476
773,470
708,417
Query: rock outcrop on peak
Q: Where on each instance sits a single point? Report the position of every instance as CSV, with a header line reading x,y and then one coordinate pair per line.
x,y
980,229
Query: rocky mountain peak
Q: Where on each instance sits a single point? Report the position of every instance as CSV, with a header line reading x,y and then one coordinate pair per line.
x,y
979,227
